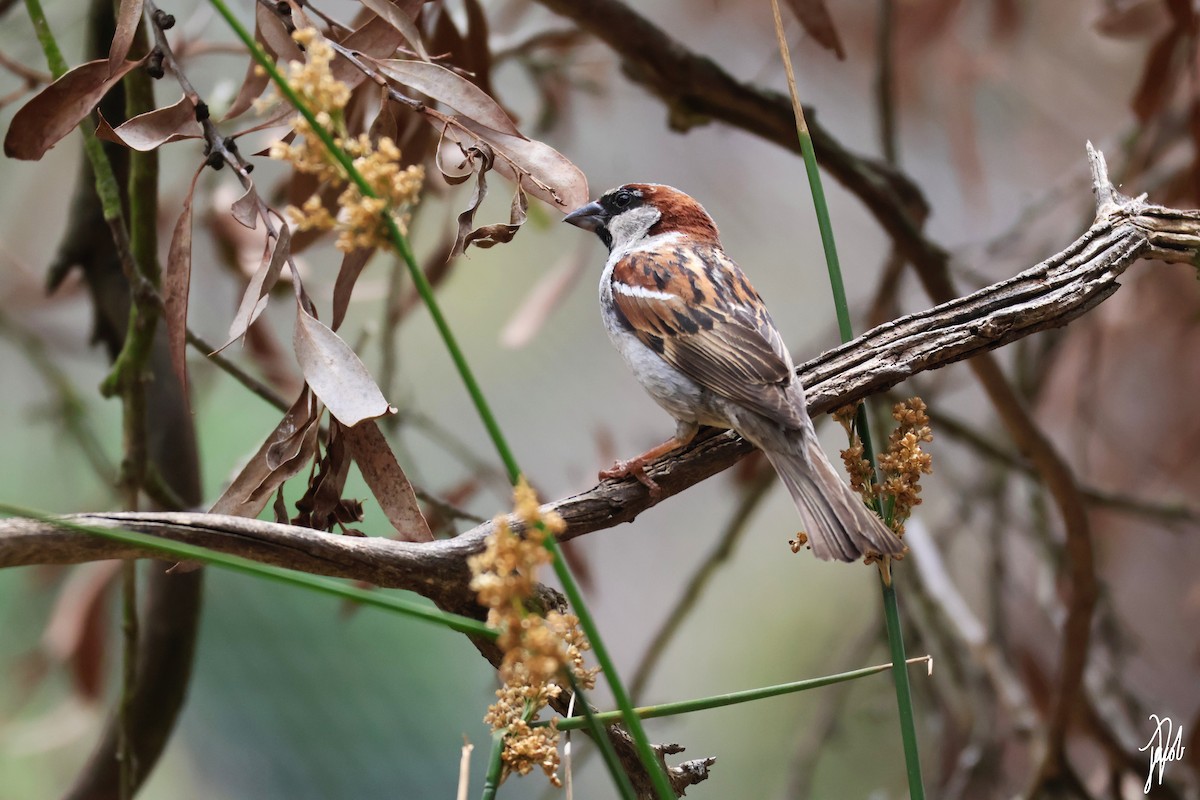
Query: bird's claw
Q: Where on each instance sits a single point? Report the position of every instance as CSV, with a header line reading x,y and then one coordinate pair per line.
x,y
636,468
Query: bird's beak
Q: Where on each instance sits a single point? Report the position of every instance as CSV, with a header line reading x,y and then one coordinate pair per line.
x,y
590,217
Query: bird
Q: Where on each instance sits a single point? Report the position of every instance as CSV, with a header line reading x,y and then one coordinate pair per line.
x,y
700,340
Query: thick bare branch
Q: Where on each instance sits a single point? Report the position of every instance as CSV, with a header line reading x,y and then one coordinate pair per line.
x,y
1047,295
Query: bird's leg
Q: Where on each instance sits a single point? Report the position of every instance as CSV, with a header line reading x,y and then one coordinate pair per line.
x,y
636,466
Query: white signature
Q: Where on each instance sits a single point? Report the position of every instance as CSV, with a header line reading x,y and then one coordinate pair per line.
x,y
1163,749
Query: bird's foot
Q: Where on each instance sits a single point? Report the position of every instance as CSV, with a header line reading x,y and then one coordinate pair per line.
x,y
635,468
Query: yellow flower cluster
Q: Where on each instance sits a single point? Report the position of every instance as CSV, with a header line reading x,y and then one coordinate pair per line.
x,y
902,464
360,219
537,649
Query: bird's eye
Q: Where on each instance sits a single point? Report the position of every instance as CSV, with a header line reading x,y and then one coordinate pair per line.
x,y
622,199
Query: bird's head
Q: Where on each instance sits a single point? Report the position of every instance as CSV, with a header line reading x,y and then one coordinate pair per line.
x,y
629,214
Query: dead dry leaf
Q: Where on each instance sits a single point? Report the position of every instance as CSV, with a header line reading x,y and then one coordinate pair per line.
x,y
548,174
469,51
551,176
264,279
256,80
56,110
155,128
335,373
480,158
256,482
402,20
375,38
450,88
352,266
817,22
177,282
245,208
489,235
387,481
128,15
322,506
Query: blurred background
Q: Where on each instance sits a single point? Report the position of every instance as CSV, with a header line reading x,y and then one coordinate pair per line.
x,y
294,696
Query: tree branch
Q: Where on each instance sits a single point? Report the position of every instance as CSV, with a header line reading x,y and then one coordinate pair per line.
x,y
697,90
1047,295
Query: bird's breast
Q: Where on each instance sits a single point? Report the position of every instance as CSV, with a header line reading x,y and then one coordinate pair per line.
x,y
679,395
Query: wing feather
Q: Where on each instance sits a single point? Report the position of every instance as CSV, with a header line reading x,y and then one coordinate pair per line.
x,y
728,343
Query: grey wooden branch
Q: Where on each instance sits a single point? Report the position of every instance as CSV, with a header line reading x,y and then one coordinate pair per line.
x,y
1047,295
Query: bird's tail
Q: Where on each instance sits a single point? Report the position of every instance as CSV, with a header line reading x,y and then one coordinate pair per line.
x,y
839,525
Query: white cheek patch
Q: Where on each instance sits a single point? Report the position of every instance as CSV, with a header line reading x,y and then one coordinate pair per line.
x,y
629,227
652,243
641,292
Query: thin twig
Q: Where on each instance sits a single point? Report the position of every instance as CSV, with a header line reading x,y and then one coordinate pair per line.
x,y
254,385
31,77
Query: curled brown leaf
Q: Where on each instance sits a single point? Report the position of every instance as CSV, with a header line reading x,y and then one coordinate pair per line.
x,y
489,235
248,493
480,159
155,128
264,279
129,13
245,208
545,173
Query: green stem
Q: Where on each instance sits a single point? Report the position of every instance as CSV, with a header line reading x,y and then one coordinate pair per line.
x,y
570,587
491,781
143,318
425,289
603,743
188,552
908,732
733,698
106,181
399,240
130,363
908,726
632,722
912,759
135,349
129,633
45,37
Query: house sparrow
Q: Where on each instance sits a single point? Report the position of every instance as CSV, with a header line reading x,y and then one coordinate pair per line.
x,y
700,340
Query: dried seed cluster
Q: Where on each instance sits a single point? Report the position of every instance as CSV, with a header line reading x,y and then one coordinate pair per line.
x,y
904,461
901,465
537,649
359,221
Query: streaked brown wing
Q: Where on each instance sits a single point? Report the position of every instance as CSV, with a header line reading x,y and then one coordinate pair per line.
x,y
729,345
